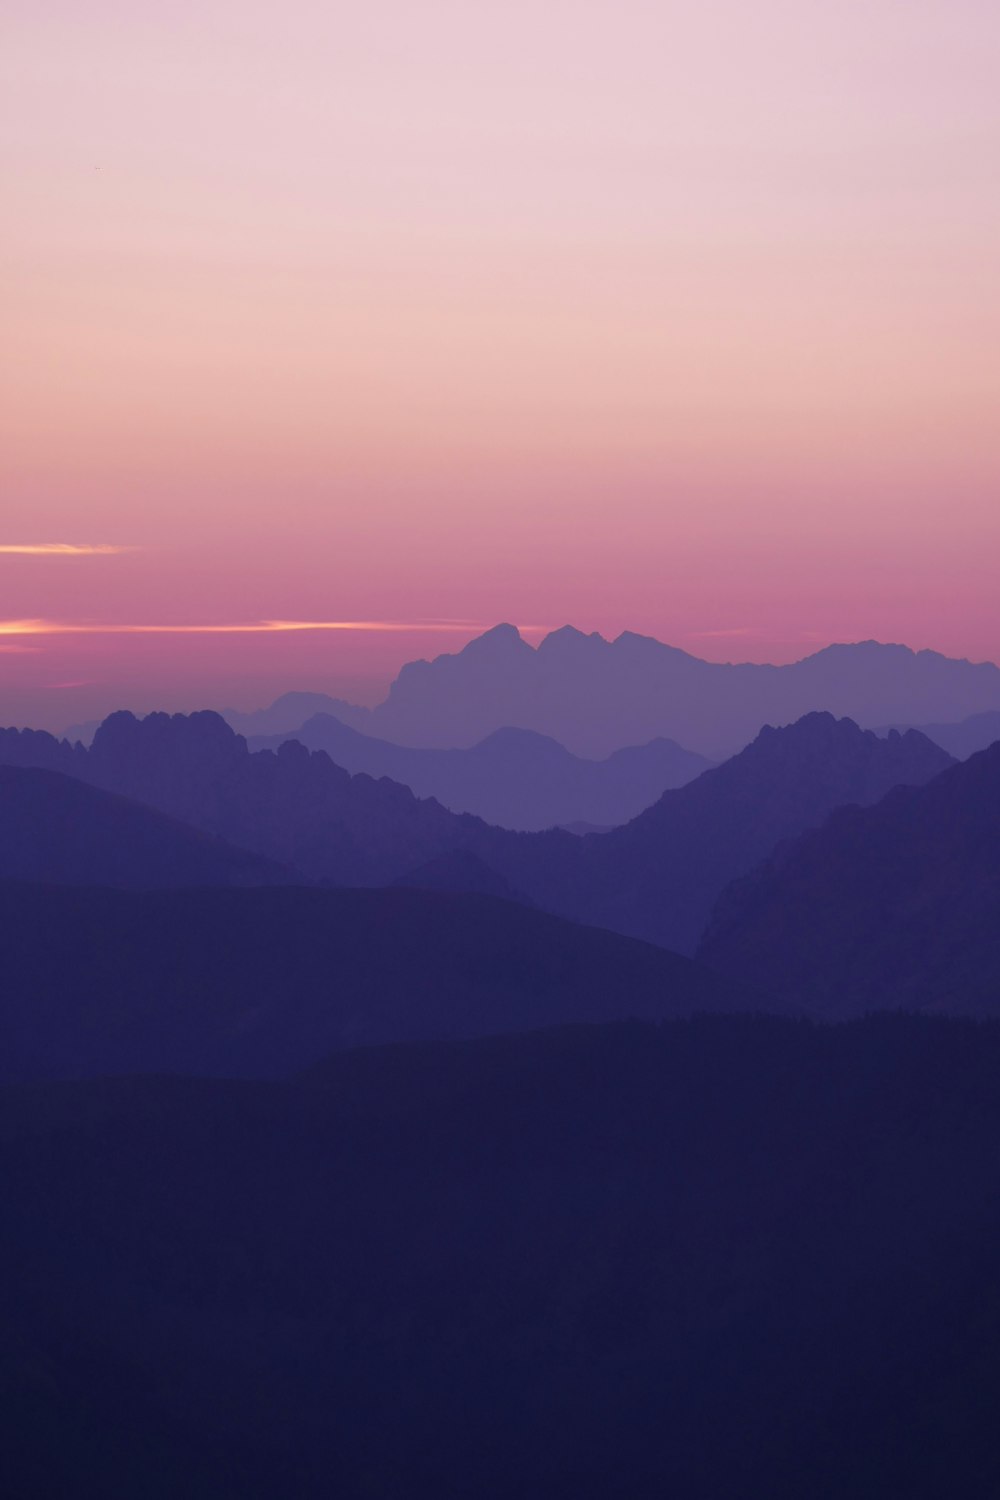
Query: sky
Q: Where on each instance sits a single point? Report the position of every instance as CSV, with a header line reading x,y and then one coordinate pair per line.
x,y
422,315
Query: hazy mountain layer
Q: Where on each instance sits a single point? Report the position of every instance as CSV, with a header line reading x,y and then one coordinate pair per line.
x,y
514,778
965,738
892,905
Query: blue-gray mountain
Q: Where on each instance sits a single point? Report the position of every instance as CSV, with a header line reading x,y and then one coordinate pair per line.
x,y
964,738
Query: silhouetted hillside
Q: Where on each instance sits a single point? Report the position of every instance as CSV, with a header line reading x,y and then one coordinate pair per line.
x,y
291,805
659,876
709,1259
595,696
257,983
54,828
39,750
892,905
461,870
656,878
514,778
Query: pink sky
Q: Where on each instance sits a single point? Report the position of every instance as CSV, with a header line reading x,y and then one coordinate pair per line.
x,y
683,318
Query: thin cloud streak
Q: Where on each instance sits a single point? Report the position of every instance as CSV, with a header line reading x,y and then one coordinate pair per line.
x,y
62,549
737,630
256,627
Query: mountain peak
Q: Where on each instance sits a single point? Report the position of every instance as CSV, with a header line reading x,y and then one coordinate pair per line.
x,y
568,638
495,641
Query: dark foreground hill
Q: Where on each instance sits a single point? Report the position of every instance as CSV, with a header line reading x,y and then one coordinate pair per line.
x,y
514,778
717,1258
54,828
259,983
885,906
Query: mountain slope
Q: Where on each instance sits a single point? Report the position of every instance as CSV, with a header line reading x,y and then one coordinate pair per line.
x,y
54,828
656,878
892,905
718,1258
659,876
257,983
514,778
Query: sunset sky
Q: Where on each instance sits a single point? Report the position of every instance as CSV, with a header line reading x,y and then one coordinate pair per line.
x,y
423,314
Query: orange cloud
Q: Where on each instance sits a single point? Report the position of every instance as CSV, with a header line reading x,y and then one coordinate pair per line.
x,y
61,549
256,627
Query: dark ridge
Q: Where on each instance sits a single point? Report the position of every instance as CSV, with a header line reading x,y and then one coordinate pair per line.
x,y
896,905
54,828
257,983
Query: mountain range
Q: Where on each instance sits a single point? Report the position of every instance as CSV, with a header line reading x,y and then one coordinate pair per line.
x,y
655,878
595,696
514,778
896,905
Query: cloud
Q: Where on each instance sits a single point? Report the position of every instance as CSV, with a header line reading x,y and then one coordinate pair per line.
x,y
254,627
61,549
699,635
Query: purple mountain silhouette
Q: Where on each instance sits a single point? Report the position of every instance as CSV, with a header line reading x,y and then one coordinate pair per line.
x,y
596,696
655,878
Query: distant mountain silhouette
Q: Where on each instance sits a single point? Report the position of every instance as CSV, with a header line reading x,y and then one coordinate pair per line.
x,y
892,905
259,983
596,696
55,828
514,778
965,738
285,714
721,1258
